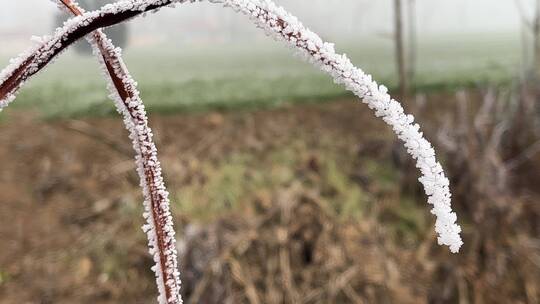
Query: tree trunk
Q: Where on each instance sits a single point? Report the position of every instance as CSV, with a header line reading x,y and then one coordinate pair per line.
x,y
411,67
536,39
400,49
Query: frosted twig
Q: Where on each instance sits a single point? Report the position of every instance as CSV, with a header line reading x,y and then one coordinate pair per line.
x,y
159,226
278,23
283,26
47,48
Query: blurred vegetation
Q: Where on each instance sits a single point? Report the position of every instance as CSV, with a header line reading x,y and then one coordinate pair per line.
x,y
191,78
315,200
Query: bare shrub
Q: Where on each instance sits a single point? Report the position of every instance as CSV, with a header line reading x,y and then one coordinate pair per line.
x,y
489,141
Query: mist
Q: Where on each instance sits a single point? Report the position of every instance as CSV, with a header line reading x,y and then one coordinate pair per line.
x,y
344,19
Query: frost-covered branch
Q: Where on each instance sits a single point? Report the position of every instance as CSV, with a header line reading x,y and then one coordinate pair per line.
x,y
283,26
47,48
159,225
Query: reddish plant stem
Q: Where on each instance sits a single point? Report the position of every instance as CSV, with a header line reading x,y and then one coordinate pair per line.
x,y
24,72
117,73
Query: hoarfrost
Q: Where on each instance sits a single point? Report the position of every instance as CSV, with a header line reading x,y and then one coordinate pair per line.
x,y
279,24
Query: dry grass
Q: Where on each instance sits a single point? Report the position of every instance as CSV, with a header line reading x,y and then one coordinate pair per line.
x,y
281,233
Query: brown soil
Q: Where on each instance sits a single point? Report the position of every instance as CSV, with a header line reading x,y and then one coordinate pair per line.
x,y
69,192
70,211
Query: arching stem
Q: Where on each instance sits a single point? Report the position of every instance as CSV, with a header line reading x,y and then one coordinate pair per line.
x,y
159,225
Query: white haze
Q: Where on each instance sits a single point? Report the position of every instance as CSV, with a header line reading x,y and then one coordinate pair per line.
x,y
333,19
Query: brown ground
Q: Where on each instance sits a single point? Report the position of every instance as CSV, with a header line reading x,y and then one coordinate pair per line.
x,y
70,206
61,192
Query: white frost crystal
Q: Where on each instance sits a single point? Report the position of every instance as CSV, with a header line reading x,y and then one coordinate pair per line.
x,y
156,201
285,27
281,25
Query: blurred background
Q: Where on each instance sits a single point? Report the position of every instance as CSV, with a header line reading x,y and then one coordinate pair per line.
x,y
285,189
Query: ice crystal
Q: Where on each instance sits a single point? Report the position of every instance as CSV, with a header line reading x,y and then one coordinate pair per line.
x,y
276,22
161,242
123,91
283,26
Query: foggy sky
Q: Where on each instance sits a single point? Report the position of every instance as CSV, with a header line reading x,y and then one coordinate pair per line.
x,y
328,17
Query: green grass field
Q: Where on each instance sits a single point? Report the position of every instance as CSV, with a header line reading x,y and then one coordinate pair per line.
x,y
196,78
